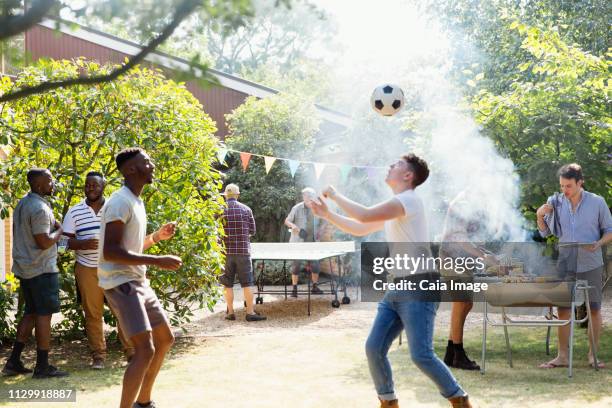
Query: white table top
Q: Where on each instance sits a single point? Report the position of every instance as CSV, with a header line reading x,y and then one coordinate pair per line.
x,y
300,251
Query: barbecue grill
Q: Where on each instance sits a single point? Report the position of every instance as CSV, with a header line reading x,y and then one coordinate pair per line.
x,y
521,290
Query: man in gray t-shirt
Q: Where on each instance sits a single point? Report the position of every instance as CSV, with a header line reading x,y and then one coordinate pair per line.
x,y
122,275
301,222
35,234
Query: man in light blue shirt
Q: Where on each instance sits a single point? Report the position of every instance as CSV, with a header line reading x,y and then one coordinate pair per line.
x,y
577,216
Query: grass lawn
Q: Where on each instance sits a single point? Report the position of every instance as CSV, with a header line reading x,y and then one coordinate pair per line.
x,y
319,361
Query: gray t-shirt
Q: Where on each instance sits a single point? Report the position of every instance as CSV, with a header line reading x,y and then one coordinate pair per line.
x,y
123,206
302,216
32,216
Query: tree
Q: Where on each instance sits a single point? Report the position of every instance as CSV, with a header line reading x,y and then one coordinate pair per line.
x,y
271,48
275,36
75,130
483,43
560,115
278,126
153,24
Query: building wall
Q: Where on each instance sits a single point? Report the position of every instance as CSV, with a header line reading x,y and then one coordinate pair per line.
x,y
43,42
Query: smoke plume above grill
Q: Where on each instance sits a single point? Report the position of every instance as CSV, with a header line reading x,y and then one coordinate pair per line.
x,y
415,53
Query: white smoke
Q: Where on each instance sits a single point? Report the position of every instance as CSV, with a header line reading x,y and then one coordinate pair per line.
x,y
390,42
462,160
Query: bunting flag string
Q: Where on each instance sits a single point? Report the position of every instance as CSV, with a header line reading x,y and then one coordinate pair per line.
x,y
245,158
319,167
293,166
269,161
372,172
221,155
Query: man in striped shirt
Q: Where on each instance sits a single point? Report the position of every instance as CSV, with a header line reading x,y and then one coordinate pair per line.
x,y
82,227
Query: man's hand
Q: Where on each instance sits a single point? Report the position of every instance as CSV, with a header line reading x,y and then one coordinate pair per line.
x,y
165,232
319,208
169,262
88,244
295,229
544,210
329,192
593,247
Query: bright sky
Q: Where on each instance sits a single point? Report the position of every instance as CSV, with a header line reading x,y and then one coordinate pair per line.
x,y
384,29
387,41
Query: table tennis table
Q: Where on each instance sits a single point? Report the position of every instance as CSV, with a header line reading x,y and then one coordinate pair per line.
x,y
303,251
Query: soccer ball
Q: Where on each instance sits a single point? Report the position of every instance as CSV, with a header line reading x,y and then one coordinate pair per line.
x,y
387,99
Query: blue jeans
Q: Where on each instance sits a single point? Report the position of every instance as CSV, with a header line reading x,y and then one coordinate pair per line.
x,y
417,318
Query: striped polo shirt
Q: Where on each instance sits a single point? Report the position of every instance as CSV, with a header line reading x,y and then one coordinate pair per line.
x,y
81,221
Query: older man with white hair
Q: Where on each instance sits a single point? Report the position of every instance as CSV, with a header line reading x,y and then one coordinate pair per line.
x,y
301,221
239,226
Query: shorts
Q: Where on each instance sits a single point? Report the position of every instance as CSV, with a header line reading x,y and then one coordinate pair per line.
x,y
238,265
41,294
595,279
297,266
136,306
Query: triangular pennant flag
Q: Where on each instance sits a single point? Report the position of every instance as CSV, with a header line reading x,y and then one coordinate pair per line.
x,y
372,173
318,167
269,161
245,158
221,153
293,166
345,169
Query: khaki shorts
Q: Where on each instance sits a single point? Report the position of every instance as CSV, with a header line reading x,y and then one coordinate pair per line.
x,y
136,306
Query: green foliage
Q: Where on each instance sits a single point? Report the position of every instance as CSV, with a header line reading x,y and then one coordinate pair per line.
x,y
7,304
479,32
560,115
276,35
279,126
72,131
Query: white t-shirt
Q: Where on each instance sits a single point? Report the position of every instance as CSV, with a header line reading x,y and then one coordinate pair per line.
x,y
84,223
123,206
410,228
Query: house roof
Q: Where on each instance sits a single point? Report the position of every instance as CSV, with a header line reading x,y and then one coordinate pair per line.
x,y
169,61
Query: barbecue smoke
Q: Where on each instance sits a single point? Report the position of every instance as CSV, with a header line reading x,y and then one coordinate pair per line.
x,y
436,123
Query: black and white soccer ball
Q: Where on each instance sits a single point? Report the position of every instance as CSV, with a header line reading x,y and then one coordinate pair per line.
x,y
387,99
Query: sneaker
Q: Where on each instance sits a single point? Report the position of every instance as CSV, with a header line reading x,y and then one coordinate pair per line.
x,y
98,363
294,292
151,404
230,316
48,372
256,317
11,369
315,290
